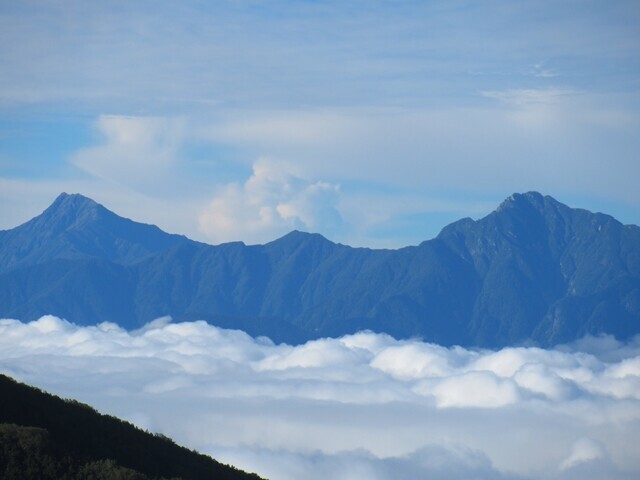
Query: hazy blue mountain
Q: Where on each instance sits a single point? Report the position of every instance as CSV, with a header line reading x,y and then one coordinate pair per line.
x,y
549,271
534,269
76,227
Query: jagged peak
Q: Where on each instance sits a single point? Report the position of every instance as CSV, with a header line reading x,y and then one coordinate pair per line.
x,y
532,198
67,209
71,205
72,200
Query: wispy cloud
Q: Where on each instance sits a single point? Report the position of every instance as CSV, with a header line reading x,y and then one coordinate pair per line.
x,y
149,57
539,70
362,406
526,97
139,152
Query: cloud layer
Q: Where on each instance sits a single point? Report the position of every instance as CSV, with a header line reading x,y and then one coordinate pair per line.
x,y
364,406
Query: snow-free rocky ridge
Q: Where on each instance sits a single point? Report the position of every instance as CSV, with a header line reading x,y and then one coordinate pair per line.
x,y
534,270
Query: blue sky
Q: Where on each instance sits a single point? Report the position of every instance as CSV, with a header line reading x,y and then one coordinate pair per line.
x,y
373,123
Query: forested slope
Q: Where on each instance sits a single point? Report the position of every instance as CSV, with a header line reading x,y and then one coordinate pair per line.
x,y
45,437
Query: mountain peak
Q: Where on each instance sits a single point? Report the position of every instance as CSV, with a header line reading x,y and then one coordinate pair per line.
x,y
518,200
297,241
297,236
73,200
65,195
71,211
75,226
522,208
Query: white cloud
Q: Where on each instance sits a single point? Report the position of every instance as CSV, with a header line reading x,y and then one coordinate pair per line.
x,y
538,379
306,128
272,202
548,139
583,450
472,389
539,70
528,97
428,462
360,407
138,152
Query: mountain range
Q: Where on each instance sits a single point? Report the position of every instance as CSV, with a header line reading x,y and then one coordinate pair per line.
x,y
532,271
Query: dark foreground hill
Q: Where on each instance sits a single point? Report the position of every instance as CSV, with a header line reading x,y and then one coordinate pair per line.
x,y
43,437
532,270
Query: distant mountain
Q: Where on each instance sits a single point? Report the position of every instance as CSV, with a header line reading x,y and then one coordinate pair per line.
x,y
532,270
75,227
43,437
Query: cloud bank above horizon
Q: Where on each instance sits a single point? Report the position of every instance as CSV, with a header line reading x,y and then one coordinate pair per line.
x,y
364,406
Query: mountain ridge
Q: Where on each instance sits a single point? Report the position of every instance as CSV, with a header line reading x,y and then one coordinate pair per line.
x,y
534,270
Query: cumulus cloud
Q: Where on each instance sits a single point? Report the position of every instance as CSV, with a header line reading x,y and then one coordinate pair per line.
x,y
273,201
364,406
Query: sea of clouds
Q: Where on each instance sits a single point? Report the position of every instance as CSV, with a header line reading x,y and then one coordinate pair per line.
x,y
364,406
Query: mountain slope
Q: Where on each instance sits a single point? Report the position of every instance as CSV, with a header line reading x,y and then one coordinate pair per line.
x,y
534,269
69,437
550,272
76,227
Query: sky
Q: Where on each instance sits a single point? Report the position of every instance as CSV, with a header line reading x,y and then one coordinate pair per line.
x,y
360,407
373,123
